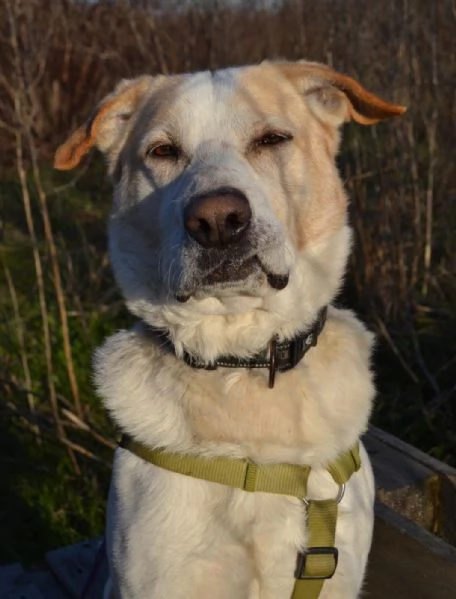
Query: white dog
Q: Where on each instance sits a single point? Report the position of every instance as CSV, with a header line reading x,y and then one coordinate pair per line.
x,y
229,238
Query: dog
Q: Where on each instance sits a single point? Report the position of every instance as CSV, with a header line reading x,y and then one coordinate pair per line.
x,y
228,238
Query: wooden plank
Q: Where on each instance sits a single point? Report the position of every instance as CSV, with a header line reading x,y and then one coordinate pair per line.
x,y
413,484
433,543
23,589
400,482
445,493
394,469
74,565
32,585
8,575
47,584
399,566
414,454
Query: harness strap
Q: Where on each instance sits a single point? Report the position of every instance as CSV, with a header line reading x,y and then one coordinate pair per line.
x,y
283,479
318,561
346,464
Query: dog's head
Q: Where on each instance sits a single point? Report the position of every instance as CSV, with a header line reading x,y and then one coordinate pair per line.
x,y
227,197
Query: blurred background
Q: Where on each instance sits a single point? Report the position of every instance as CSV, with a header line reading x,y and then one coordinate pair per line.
x,y
57,296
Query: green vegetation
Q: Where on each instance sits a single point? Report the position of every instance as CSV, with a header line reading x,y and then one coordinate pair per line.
x,y
57,296
52,495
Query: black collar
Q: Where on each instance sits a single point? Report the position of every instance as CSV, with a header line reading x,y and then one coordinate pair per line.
x,y
276,356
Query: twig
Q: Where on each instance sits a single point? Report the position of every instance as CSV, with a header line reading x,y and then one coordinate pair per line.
x,y
30,421
82,425
82,170
78,423
384,331
419,357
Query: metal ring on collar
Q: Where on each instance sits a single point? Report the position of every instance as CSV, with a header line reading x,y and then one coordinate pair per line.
x,y
340,494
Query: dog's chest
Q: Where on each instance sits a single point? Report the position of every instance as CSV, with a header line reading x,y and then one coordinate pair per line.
x,y
306,407
322,404
240,407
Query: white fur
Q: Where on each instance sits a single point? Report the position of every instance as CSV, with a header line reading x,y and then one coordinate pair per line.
x,y
168,535
165,528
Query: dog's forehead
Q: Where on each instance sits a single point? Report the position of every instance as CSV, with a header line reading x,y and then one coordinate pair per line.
x,y
203,102
229,102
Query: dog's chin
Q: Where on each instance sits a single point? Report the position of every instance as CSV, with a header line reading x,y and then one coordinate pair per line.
x,y
233,278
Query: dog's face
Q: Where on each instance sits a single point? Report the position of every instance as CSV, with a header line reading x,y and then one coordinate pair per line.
x,y
227,195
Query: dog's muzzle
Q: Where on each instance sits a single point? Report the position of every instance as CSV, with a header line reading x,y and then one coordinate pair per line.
x,y
219,221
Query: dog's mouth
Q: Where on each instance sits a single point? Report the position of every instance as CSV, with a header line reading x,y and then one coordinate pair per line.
x,y
232,271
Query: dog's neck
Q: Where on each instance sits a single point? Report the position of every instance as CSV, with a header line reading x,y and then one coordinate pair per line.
x,y
277,356
241,324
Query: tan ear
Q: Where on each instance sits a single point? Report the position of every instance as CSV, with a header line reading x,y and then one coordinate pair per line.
x,y
327,87
70,153
107,126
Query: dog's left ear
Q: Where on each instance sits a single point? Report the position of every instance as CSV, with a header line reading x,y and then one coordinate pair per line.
x,y
107,127
337,98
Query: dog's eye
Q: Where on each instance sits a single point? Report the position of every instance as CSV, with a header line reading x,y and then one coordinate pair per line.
x,y
273,139
163,151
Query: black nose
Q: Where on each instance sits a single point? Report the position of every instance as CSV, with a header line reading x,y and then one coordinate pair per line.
x,y
217,218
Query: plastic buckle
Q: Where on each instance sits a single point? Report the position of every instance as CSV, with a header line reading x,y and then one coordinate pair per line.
x,y
302,558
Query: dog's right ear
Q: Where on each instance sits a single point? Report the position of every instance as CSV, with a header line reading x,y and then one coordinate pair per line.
x,y
108,125
337,98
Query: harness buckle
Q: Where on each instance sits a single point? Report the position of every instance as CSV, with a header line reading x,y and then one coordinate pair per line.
x,y
302,559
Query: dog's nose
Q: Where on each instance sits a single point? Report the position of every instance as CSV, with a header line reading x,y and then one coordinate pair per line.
x,y
218,218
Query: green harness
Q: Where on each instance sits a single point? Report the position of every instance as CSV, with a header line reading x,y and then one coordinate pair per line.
x,y
319,560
